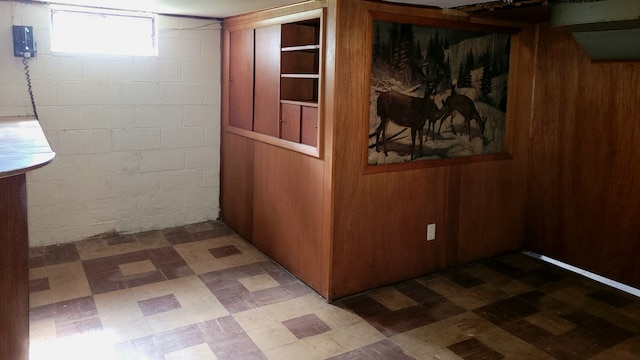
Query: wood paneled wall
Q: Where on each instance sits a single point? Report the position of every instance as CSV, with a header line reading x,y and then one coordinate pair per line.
x,y
583,199
274,197
343,231
14,269
380,220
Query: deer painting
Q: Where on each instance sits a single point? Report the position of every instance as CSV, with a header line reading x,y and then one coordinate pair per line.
x,y
408,111
461,104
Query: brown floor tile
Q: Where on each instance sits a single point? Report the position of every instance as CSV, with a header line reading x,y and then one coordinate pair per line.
x,y
178,339
305,326
53,255
154,237
506,311
142,348
141,290
159,304
38,285
224,251
463,278
70,328
430,310
473,349
120,239
228,340
612,298
382,350
208,230
104,274
178,235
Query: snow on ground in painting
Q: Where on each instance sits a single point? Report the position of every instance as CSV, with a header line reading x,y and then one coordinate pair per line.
x,y
446,144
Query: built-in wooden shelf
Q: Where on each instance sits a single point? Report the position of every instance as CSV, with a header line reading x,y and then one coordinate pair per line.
x,y
280,63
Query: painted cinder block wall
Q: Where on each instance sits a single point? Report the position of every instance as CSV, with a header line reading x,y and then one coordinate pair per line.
x,y
137,138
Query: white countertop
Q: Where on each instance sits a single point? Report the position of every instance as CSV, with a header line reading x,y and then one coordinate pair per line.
x,y
23,146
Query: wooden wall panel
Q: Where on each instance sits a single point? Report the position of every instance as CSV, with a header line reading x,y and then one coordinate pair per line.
x,y
266,117
342,231
14,269
288,212
380,220
274,197
240,77
237,185
583,202
493,194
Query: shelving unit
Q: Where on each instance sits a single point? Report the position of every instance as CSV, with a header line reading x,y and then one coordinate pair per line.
x,y
299,80
285,79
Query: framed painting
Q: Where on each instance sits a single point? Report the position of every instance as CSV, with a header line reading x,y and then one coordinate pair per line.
x,y
438,91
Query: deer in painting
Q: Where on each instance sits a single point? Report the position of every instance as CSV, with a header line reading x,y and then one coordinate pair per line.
x,y
463,105
408,111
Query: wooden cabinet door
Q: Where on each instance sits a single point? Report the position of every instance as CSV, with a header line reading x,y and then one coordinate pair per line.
x,y
290,125
309,126
241,78
267,80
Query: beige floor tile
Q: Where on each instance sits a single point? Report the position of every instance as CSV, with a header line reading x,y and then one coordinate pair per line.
x,y
43,331
431,341
424,350
199,227
465,298
521,262
307,349
120,313
551,323
458,328
332,343
511,286
96,248
632,311
259,282
264,326
39,298
487,275
392,299
138,267
66,281
201,261
38,273
512,347
356,336
198,352
98,345
627,350
197,303
265,329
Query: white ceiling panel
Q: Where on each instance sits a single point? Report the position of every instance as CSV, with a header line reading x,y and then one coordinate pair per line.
x,y
224,8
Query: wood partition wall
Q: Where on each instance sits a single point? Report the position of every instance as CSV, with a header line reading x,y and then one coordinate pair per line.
x,y
343,231
14,278
583,202
379,222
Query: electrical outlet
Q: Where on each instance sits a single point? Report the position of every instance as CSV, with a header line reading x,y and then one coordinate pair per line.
x,y
431,232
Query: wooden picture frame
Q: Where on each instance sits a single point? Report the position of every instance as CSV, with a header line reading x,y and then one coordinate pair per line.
x,y
430,102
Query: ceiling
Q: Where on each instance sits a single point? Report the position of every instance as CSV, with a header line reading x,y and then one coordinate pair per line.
x,y
225,8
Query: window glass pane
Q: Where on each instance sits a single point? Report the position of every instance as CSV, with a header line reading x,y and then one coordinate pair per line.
x,y
89,32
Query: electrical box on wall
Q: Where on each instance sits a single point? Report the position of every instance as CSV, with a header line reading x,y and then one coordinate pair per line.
x,y
23,42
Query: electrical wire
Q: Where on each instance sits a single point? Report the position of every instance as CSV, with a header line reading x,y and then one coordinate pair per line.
x,y
28,76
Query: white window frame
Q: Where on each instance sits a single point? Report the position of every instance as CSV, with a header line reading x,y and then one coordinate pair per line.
x,y
100,36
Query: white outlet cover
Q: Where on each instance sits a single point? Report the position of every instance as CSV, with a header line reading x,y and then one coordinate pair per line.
x,y
431,232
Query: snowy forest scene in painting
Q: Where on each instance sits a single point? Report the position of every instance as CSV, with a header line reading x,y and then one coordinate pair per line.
x,y
436,93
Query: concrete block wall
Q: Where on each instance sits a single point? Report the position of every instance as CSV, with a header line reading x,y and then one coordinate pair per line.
x,y
137,138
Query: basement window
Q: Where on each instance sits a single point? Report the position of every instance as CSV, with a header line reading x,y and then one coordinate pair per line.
x,y
98,31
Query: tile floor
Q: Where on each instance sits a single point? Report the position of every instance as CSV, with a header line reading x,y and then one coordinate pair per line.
x,y
202,292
